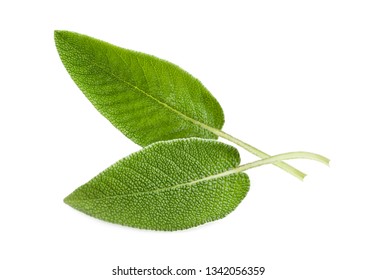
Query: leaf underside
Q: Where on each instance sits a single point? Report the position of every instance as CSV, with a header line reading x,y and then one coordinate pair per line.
x,y
170,185
146,98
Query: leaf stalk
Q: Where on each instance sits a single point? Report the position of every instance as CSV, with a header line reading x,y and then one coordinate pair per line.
x,y
288,168
269,160
284,156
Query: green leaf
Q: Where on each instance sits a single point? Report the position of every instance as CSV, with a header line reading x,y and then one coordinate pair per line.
x,y
146,98
168,185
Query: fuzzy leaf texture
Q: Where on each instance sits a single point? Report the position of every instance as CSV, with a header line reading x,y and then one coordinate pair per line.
x,y
148,99
169,185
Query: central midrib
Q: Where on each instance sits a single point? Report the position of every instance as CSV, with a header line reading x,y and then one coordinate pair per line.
x,y
187,184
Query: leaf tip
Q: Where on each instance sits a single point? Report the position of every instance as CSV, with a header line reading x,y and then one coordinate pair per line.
x,y
61,34
67,200
58,33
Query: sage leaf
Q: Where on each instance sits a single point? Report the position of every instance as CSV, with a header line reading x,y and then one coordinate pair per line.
x,y
148,99
169,185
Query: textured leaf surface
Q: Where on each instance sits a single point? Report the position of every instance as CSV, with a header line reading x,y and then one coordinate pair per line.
x,y
168,185
146,98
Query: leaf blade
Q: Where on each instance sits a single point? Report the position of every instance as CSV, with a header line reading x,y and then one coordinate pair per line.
x,y
171,197
146,98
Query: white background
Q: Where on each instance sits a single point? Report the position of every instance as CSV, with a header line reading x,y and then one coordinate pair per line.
x,y
290,75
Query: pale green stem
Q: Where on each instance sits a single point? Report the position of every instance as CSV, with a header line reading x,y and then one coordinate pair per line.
x,y
269,160
285,156
288,168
